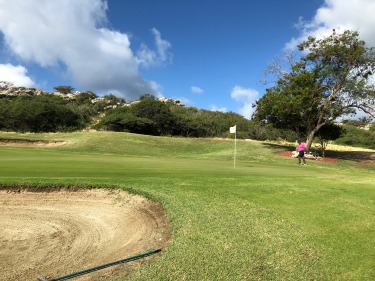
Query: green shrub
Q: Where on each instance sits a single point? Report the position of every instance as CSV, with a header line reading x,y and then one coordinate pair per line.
x,y
45,113
354,136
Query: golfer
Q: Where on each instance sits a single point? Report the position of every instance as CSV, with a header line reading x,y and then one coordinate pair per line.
x,y
301,152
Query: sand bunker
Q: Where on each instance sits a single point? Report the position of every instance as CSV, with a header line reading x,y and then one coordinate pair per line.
x,y
31,143
57,233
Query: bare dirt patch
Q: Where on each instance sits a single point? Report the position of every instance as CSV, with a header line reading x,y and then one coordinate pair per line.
x,y
325,159
361,157
25,142
57,233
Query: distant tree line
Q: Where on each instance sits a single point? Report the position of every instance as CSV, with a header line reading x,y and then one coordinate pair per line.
x,y
153,117
149,115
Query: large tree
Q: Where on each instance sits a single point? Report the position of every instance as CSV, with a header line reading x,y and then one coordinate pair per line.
x,y
332,79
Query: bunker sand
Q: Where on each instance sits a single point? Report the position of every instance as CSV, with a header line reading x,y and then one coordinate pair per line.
x,y
60,232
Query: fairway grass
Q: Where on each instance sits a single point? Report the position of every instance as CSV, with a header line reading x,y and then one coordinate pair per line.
x,y
265,219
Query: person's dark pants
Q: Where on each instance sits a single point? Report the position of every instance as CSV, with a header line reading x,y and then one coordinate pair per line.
x,y
301,155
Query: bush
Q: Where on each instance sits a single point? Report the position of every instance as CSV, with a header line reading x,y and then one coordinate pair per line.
x,y
158,112
45,113
354,136
123,120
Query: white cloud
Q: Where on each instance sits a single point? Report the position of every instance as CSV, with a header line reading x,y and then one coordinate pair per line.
x,y
247,97
341,15
71,34
17,75
148,58
215,108
196,90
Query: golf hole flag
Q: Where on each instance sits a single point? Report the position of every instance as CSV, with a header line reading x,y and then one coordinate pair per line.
x,y
232,130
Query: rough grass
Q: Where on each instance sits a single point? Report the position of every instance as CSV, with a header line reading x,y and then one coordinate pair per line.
x,y
267,219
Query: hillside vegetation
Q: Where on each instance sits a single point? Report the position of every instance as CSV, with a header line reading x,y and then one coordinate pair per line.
x,y
30,110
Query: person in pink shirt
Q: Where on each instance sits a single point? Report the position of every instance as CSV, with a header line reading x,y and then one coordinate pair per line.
x,y
301,152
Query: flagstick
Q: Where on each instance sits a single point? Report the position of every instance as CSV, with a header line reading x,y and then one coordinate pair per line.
x,y
235,144
233,130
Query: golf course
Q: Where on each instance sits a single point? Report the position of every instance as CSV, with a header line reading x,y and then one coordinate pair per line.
x,y
266,218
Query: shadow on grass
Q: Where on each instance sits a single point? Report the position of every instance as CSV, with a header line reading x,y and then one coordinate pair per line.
x,y
358,156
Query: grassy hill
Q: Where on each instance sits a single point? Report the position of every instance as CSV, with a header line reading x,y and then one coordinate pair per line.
x,y
266,219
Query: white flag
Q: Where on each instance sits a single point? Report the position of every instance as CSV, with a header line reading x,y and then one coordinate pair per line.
x,y
232,130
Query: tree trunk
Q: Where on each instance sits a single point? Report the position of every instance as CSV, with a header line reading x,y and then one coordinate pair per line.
x,y
311,135
310,138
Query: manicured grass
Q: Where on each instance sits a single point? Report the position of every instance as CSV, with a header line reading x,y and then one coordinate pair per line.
x,y
266,219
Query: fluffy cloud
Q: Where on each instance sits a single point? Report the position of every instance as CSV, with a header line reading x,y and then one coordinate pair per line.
x,y
71,35
247,97
196,90
16,75
340,15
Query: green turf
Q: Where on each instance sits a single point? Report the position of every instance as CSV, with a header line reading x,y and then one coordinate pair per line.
x,y
266,219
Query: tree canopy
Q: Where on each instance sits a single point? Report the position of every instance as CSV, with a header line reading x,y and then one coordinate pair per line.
x,y
64,89
330,80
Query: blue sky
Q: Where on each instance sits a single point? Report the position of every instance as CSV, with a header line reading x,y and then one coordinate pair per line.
x,y
210,54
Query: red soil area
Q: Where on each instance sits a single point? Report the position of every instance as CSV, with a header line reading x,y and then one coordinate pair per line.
x,y
325,159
